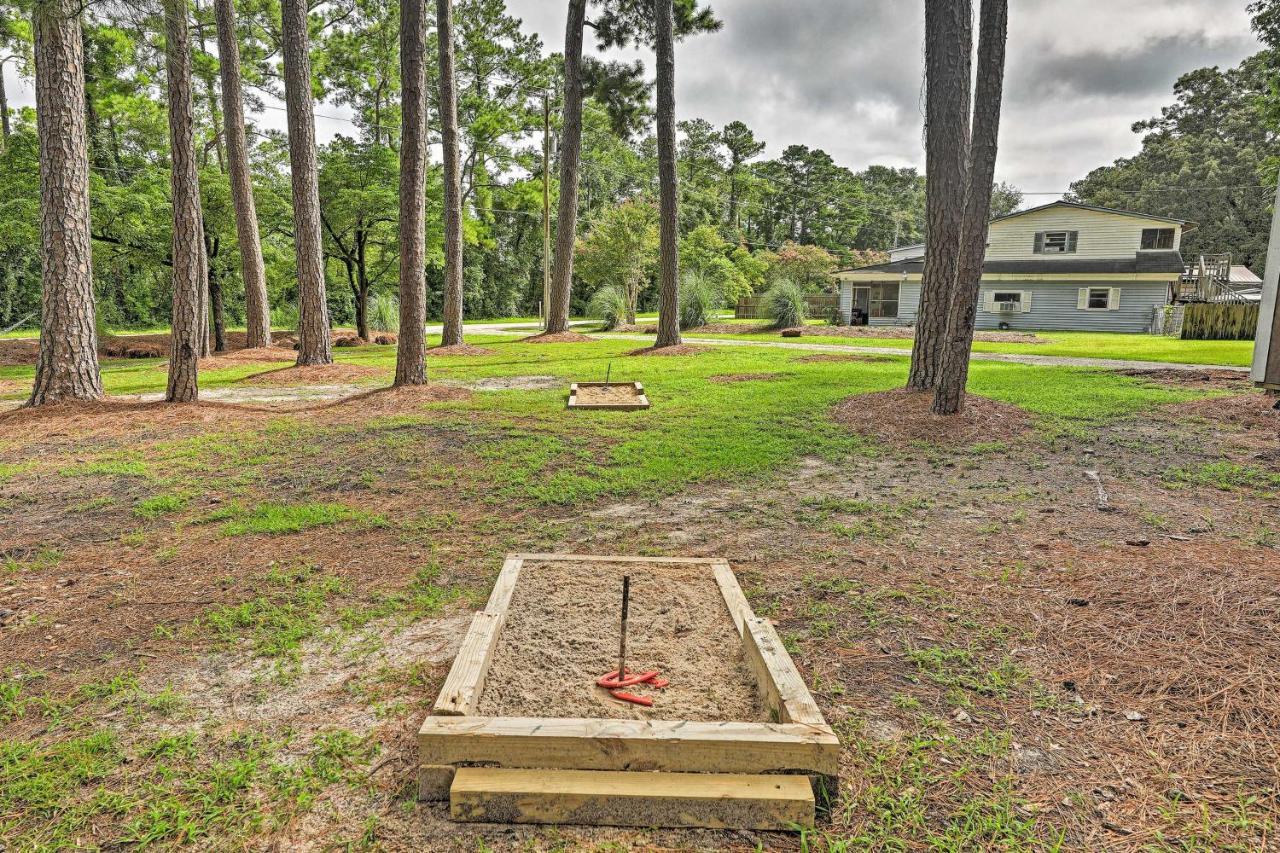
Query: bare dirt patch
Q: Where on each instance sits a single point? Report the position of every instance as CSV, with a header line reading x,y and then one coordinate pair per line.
x,y
397,399
459,349
902,416
557,338
317,374
677,349
516,383
561,634
836,357
730,378
1226,379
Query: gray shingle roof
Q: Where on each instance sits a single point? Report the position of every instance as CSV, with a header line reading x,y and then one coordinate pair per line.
x,y
1141,262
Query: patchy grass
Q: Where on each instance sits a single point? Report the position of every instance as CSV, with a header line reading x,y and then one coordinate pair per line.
x,y
1227,476
273,519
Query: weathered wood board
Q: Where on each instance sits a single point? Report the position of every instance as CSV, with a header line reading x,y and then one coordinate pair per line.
x,y
579,396
604,798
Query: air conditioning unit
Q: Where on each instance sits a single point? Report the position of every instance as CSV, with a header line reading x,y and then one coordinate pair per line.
x,y
1009,307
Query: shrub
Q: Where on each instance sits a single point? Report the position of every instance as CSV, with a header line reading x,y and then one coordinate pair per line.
x,y
784,304
699,297
384,313
609,306
284,316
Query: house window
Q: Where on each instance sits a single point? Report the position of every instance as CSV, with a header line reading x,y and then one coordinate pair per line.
x,y
884,301
1011,299
1055,242
1099,298
1157,238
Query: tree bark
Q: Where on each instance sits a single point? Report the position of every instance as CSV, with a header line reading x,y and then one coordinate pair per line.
x,y
189,261
570,158
948,44
411,367
256,306
4,109
67,367
953,374
452,333
668,188
313,309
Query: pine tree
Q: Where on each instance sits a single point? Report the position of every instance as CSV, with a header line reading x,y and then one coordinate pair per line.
x,y
411,368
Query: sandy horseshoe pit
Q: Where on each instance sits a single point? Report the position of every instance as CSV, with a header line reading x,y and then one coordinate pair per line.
x,y
522,731
606,396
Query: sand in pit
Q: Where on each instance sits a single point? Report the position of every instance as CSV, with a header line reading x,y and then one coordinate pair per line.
x,y
611,395
561,634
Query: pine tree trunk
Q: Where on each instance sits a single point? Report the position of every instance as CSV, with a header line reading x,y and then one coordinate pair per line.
x,y
570,158
452,333
67,367
4,110
189,262
668,188
954,371
256,307
313,310
411,368
948,44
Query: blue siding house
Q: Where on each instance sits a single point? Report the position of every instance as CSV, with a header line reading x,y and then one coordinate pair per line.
x,y
1058,266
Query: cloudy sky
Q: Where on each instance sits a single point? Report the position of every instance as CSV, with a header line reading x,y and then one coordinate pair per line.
x,y
845,76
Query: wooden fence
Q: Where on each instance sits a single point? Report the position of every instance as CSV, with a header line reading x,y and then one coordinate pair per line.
x,y
822,306
1220,321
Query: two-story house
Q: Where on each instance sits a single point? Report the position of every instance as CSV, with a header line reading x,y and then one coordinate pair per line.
x,y
1058,266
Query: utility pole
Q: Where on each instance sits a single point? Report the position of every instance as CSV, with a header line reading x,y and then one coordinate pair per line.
x,y
546,207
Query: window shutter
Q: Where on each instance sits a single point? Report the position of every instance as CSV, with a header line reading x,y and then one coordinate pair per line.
x,y
1113,304
1082,298
1026,301
1071,240
1039,250
989,300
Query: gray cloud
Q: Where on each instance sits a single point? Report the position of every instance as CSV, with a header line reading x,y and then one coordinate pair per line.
x,y
846,76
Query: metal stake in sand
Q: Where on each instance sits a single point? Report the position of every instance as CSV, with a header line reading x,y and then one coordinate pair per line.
x,y
622,639
608,370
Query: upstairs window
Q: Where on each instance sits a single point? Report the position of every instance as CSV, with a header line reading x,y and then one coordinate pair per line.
x,y
1157,238
1055,242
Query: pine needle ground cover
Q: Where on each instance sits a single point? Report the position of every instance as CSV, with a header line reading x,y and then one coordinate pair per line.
x,y
223,624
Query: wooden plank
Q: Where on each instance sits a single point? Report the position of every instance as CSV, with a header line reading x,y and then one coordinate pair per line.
x,y
671,745
434,781
604,798
781,686
601,558
732,593
465,683
505,585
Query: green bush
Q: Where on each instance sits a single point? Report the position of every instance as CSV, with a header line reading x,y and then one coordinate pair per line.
x,y
609,306
699,298
284,316
784,304
384,313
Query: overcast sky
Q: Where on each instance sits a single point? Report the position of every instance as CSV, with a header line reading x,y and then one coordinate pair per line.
x,y
845,76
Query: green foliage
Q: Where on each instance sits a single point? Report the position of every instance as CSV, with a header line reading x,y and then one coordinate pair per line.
x,y
609,306
784,304
384,313
620,251
699,299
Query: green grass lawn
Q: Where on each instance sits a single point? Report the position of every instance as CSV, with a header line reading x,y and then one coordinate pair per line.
x,y
1077,344
532,450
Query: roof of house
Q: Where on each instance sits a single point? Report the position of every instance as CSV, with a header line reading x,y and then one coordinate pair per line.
x,y
1241,274
1092,207
1141,262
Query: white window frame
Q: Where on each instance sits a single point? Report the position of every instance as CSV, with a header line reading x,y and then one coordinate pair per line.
x,y
990,302
1113,298
1064,235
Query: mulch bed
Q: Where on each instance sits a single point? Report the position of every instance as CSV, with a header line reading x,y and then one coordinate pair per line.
x,y
903,417
557,338
730,378
1192,378
459,349
317,374
677,349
